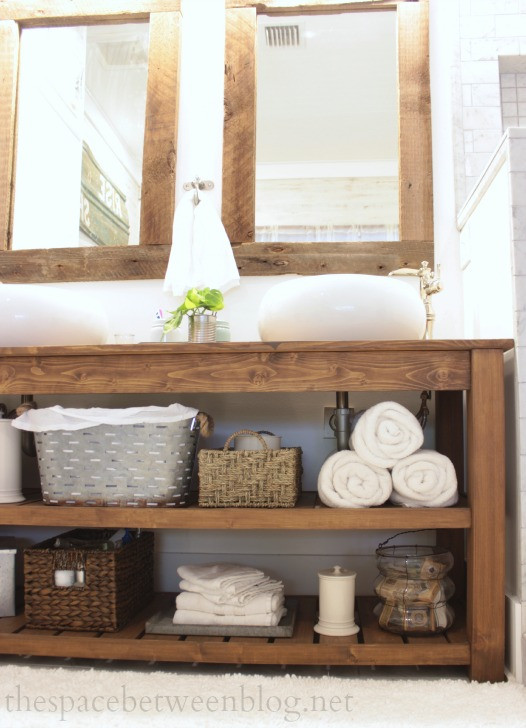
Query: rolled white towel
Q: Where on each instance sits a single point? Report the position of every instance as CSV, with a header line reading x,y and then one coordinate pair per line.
x,y
268,619
386,433
260,604
426,478
346,481
222,577
267,586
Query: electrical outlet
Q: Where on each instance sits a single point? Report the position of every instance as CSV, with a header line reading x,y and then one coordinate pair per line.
x,y
328,432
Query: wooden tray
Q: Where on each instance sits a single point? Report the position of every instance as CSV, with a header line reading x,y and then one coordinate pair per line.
x,y
161,623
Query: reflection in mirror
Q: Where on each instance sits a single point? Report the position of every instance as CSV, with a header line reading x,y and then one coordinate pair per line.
x,y
327,128
80,130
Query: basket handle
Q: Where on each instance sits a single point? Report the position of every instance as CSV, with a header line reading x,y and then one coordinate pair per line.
x,y
245,432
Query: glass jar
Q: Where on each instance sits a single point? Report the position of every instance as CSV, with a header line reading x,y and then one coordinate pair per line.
x,y
414,588
222,331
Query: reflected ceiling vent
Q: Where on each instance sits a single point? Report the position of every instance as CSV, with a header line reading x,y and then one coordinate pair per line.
x,y
282,36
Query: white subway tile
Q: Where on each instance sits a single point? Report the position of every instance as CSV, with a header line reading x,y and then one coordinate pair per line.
x,y
494,7
522,121
517,157
510,108
481,117
467,99
518,221
521,94
487,49
510,26
518,189
479,26
480,71
476,163
521,80
485,94
468,142
519,268
508,121
522,108
486,140
509,95
508,80
465,50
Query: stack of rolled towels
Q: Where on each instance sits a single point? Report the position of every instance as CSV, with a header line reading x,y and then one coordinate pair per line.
x,y
228,594
387,462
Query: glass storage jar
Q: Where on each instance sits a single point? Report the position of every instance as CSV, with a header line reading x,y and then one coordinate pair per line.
x,y
414,588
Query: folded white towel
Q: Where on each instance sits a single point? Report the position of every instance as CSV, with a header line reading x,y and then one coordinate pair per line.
x,y
225,578
269,619
346,481
386,433
268,586
201,254
425,478
261,604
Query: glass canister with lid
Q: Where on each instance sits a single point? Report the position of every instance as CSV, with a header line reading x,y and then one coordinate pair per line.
x,y
414,589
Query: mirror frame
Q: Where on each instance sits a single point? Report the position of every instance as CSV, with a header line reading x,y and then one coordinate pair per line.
x,y
149,259
415,163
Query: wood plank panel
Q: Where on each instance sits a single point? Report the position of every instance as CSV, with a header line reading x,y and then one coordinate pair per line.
x,y
239,128
486,493
9,42
322,518
415,162
55,12
235,372
160,132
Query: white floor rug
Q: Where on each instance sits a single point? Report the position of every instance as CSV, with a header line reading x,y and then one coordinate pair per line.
x,y
33,696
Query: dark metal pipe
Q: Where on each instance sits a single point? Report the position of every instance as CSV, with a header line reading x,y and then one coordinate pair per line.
x,y
342,421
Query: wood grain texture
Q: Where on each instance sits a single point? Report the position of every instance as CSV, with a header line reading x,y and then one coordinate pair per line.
x,y
239,128
9,42
160,133
66,12
235,372
486,493
415,170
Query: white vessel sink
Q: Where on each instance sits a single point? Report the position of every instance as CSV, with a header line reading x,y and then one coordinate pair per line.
x,y
41,315
341,307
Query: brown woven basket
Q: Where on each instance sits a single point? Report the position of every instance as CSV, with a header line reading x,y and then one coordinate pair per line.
x,y
249,478
117,584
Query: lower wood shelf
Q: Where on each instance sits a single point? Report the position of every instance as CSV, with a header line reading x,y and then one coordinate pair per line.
x,y
371,646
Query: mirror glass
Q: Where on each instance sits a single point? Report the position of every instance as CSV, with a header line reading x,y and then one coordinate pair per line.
x,y
80,130
327,128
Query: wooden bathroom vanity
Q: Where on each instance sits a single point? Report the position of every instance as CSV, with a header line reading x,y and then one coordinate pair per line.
x,y
467,381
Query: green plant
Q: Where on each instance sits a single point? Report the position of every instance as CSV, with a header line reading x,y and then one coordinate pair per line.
x,y
197,301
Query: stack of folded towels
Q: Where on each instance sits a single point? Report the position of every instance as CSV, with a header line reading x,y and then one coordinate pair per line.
x,y
228,594
386,462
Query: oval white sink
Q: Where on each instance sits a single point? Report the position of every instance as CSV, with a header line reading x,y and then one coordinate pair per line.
x,y
341,307
41,315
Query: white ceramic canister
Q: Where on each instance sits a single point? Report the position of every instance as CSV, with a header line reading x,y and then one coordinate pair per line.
x,y
10,463
252,442
336,616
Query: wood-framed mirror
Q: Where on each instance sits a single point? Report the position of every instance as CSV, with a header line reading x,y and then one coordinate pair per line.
x,y
150,257
415,207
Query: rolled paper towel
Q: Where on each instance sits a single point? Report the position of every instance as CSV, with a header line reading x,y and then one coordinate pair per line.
x,y
346,481
426,478
386,433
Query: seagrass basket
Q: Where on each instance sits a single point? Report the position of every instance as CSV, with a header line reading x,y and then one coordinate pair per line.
x,y
249,478
115,584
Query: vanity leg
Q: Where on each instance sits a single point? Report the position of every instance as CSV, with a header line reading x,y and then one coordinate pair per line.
x,y
449,421
486,493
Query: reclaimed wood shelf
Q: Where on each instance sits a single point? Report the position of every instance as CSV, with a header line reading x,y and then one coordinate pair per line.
x,y
371,646
467,381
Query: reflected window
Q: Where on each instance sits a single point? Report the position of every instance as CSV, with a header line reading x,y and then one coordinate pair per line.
x,y
327,128
80,133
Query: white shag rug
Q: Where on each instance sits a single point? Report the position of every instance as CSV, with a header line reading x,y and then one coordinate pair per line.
x,y
32,696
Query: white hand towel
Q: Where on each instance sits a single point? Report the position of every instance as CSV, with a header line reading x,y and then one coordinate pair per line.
x,y
425,478
260,604
187,616
225,578
346,481
386,433
201,254
59,418
269,586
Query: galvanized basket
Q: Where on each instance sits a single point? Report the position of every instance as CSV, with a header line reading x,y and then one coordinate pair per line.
x,y
147,464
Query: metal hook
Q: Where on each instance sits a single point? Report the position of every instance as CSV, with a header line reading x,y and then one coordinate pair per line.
x,y
198,184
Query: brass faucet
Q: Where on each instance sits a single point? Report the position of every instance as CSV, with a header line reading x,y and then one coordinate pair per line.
x,y
429,284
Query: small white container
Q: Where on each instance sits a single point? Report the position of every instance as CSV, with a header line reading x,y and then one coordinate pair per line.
x,y
10,463
64,577
336,615
251,442
7,582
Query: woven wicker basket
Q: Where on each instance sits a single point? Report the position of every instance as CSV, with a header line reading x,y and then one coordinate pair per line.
x,y
117,584
249,478
148,464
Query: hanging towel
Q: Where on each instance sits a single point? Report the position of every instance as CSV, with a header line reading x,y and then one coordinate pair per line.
x,y
187,616
425,478
260,604
386,433
346,481
201,254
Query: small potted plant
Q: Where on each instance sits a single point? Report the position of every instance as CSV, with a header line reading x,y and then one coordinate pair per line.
x,y
201,306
